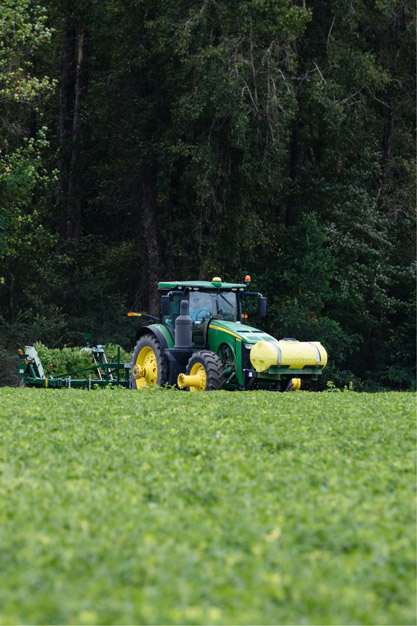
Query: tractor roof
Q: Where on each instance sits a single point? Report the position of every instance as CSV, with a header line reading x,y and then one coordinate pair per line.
x,y
199,284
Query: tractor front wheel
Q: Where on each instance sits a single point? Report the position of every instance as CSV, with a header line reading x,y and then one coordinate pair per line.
x,y
149,365
205,372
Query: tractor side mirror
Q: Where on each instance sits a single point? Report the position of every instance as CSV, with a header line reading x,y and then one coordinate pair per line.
x,y
262,307
165,306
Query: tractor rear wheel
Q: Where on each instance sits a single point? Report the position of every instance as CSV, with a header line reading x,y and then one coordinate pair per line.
x,y
149,365
207,371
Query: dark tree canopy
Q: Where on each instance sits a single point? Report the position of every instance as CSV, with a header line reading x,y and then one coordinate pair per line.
x,y
144,140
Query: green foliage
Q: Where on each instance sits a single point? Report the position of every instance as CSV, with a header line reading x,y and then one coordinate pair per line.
x,y
22,172
26,175
195,139
63,360
59,361
111,353
24,32
28,327
164,508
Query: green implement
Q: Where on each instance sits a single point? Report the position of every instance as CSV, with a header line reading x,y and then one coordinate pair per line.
x,y
101,374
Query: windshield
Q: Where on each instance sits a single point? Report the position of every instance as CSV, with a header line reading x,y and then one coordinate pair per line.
x,y
221,305
204,305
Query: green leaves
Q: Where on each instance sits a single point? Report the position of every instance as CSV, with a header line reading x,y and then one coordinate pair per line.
x,y
211,138
24,173
59,361
23,32
127,507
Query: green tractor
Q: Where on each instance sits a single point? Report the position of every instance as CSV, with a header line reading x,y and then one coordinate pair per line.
x,y
201,343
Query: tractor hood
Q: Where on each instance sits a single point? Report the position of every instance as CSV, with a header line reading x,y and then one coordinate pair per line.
x,y
240,331
266,351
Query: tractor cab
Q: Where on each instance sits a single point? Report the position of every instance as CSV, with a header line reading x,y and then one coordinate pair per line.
x,y
203,305
207,300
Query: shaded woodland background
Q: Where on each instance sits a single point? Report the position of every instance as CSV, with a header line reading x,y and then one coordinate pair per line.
x,y
143,140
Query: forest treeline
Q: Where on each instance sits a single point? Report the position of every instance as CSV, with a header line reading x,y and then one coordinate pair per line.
x,y
143,140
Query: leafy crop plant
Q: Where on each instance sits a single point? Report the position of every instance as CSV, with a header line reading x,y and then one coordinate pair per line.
x,y
224,508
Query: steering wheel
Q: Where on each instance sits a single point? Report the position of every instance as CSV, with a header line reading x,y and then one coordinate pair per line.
x,y
201,311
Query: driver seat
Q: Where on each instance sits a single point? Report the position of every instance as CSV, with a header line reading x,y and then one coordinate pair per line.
x,y
199,334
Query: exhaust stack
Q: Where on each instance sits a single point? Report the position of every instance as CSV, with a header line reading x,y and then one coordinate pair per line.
x,y
183,327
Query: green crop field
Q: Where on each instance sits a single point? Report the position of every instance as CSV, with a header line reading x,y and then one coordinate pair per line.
x,y
167,507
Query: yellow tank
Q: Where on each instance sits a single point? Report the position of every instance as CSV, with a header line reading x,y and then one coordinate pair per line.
x,y
287,353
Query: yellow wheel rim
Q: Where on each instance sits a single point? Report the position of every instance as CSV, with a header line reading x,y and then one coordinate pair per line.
x,y
145,371
198,370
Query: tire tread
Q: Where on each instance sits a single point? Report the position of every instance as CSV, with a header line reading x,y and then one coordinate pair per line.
x,y
213,366
153,342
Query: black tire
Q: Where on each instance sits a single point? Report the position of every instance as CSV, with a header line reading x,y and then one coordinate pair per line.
x,y
148,355
211,369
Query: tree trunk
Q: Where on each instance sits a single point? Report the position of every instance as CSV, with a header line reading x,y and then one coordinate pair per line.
x,y
148,217
66,114
74,81
296,159
73,217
